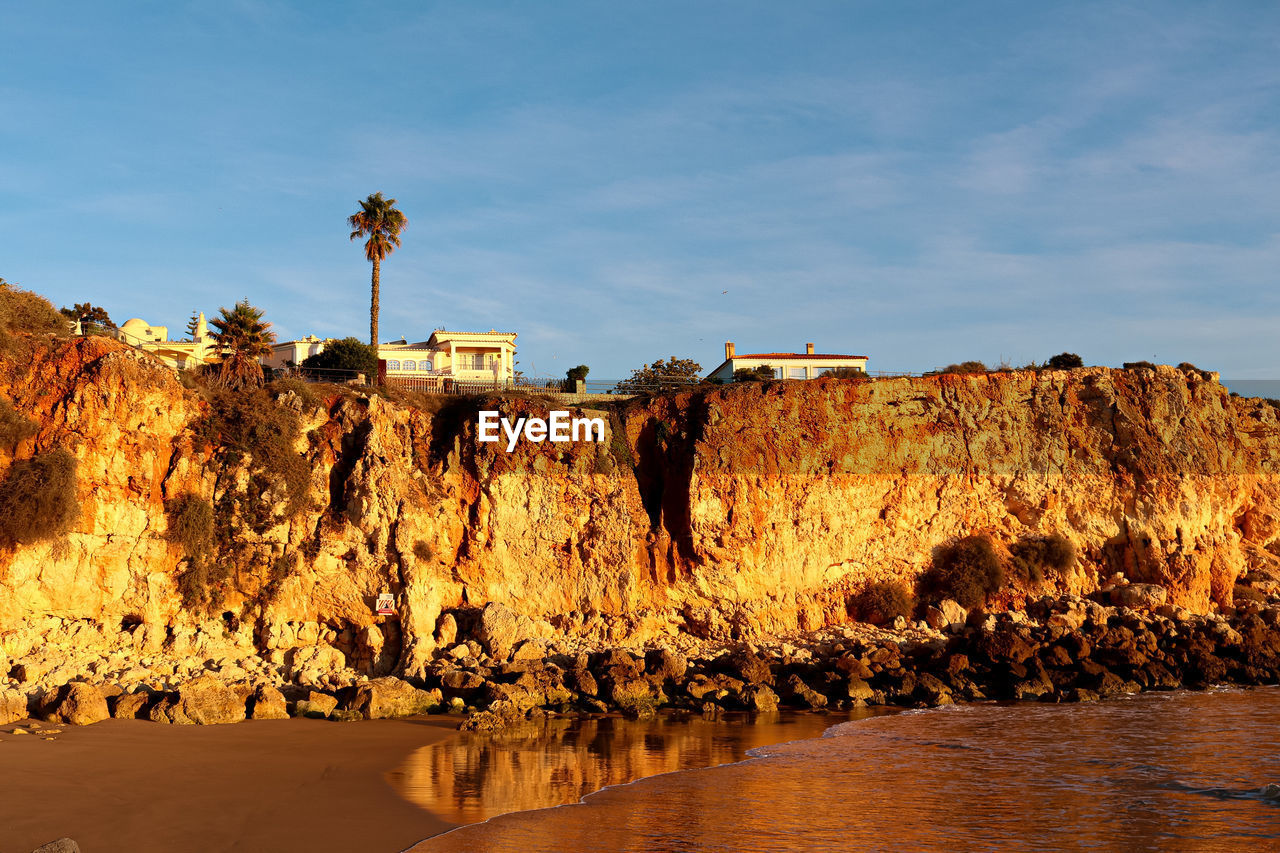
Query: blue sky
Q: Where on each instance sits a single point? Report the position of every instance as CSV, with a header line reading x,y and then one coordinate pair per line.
x,y
622,181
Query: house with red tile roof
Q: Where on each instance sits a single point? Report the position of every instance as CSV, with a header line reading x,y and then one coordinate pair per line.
x,y
785,365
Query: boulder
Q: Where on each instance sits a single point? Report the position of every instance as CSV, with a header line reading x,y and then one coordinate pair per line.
x,y
315,704
202,701
1140,596
797,690
13,706
315,666
446,630
501,628
268,703
665,664
750,667
77,704
760,698
391,697
62,845
129,706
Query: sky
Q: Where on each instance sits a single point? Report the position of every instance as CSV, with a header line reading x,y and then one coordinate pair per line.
x,y
617,182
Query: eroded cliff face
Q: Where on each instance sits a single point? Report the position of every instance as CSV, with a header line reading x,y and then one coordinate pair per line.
x,y
736,511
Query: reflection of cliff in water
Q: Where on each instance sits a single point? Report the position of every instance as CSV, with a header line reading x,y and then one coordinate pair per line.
x,y
476,776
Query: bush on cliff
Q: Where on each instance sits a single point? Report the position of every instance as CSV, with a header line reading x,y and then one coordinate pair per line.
x,y
1065,361
190,524
965,367
252,423
1034,558
23,312
38,499
881,603
845,373
967,570
14,428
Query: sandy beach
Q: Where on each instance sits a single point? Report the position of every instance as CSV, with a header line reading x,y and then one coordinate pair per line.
x,y
259,785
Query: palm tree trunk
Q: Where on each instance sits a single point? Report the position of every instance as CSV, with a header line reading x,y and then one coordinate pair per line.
x,y
373,309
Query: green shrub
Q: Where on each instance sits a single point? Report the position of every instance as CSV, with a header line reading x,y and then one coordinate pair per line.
x,y
763,373
190,524
883,602
38,499
350,354
1033,558
967,570
253,423
1065,361
423,551
23,312
965,367
1138,365
14,428
845,373
306,391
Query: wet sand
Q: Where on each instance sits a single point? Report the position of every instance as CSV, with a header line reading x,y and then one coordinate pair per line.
x,y
278,785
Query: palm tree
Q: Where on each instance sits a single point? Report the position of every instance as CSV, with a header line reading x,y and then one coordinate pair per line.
x,y
244,338
378,220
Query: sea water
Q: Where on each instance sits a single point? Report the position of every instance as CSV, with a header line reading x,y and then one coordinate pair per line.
x,y
1158,771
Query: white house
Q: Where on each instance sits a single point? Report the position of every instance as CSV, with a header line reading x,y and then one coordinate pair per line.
x,y
283,352
465,356
785,365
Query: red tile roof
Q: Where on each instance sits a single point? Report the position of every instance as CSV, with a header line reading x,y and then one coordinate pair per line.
x,y
791,355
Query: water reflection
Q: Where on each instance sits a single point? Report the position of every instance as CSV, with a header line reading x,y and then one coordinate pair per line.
x,y
1158,772
474,777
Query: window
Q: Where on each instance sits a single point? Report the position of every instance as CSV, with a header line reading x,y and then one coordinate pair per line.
x,y
779,373
795,373
471,361
424,365
393,364
410,364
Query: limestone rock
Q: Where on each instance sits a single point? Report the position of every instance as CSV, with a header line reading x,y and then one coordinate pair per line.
x,y
391,697
501,629
315,704
268,703
201,701
13,706
1144,596
62,845
77,704
129,706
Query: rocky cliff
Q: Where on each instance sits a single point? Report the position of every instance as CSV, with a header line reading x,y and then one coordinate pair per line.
x,y
727,512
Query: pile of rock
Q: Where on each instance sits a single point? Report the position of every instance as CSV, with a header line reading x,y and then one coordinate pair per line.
x,y
1060,649
206,700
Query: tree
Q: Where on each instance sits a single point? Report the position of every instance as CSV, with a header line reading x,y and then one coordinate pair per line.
x,y
762,373
378,220
89,313
1066,361
844,373
573,374
244,338
663,375
349,354
192,325
965,367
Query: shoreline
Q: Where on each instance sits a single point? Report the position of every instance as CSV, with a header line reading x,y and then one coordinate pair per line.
x,y
258,785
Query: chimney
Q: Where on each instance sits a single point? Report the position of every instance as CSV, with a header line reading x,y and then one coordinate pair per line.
x,y
808,349
728,350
